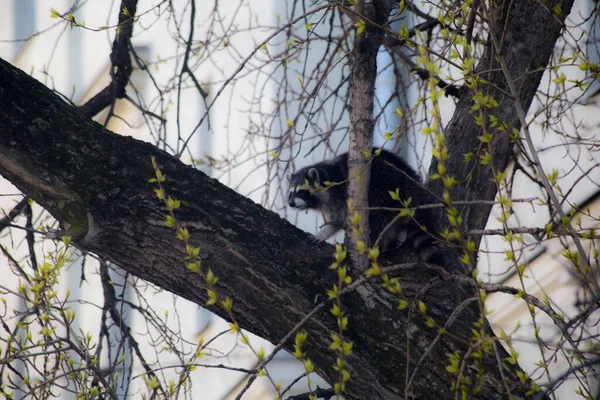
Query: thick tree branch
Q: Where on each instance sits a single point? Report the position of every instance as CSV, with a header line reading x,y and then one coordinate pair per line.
x,y
526,49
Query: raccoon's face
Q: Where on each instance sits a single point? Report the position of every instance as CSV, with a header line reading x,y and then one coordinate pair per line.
x,y
305,190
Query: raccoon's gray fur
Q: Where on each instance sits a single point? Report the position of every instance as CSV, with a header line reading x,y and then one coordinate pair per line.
x,y
331,201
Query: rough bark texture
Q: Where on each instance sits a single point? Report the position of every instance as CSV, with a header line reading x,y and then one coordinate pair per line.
x,y
528,36
362,92
52,153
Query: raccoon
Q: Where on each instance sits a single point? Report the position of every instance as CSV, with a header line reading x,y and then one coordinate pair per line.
x,y
309,191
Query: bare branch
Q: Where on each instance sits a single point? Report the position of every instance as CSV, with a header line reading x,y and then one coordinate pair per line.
x,y
120,59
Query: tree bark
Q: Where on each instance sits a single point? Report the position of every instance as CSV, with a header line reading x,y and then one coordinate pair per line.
x,y
528,36
362,91
55,155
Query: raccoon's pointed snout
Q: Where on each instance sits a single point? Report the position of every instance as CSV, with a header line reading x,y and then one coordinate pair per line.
x,y
292,199
297,202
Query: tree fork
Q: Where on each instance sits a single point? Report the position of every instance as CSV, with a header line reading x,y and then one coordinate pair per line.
x,y
52,154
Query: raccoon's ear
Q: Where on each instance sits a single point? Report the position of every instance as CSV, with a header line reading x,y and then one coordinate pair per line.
x,y
313,174
288,176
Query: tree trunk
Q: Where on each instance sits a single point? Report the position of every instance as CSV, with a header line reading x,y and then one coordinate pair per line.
x,y
528,38
362,91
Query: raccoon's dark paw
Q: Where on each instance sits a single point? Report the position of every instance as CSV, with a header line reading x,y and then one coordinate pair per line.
x,y
315,239
435,257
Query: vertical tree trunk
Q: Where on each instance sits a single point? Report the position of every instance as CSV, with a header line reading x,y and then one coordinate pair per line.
x,y
369,38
